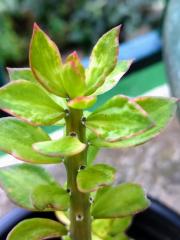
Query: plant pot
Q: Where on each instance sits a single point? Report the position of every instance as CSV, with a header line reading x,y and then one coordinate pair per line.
x,y
171,48
156,223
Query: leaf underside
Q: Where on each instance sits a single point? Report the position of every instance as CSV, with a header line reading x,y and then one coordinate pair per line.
x,y
37,229
107,228
50,197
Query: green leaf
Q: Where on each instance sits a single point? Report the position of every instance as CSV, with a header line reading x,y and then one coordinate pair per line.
x,y
73,75
60,123
66,238
160,109
60,101
56,199
91,154
94,177
117,119
110,227
95,237
82,102
120,225
119,201
21,73
29,102
64,147
46,63
21,180
101,227
37,229
120,236
113,78
17,137
103,60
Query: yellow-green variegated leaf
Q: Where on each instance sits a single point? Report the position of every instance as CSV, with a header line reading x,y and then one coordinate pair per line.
x,y
103,60
21,73
160,109
73,76
119,118
17,137
101,227
120,236
82,102
91,154
113,78
21,180
94,177
30,102
119,225
46,63
37,229
110,227
60,123
64,147
26,74
67,237
95,237
119,201
60,101
50,197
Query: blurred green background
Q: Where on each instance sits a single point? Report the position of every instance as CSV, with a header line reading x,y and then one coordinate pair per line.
x,y
73,24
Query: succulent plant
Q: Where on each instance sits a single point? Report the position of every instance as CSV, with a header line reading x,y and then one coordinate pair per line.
x,y
53,92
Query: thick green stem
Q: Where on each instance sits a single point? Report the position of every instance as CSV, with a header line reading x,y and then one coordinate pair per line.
x,y
80,228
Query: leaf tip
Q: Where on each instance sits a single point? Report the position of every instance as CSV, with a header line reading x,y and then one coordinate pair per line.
x,y
118,29
36,27
75,55
131,61
8,69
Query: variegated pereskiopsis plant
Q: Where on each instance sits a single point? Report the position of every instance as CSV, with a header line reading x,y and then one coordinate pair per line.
x,y
55,92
